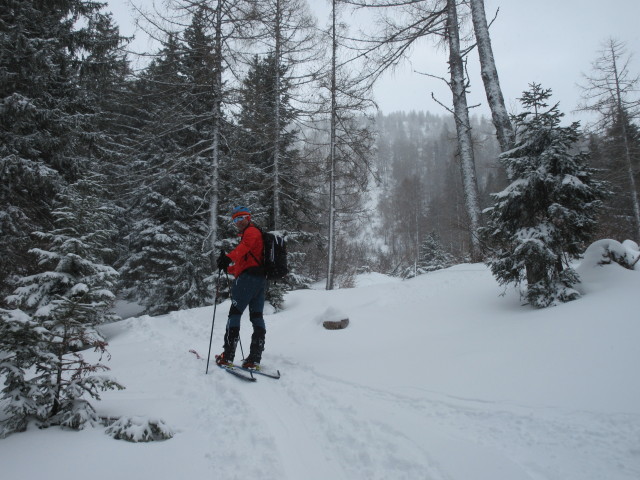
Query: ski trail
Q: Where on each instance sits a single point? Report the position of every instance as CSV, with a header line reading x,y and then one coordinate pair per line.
x,y
231,439
307,424
316,432
360,431
599,442
312,424
293,428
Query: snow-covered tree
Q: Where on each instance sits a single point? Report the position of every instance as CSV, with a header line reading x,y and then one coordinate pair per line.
x,y
168,264
544,217
433,255
46,115
265,131
611,91
169,257
47,378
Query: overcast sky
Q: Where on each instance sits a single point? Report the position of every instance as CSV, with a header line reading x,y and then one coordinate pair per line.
x,y
551,42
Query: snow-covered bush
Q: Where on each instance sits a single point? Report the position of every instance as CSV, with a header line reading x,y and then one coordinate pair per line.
x,y
604,252
139,429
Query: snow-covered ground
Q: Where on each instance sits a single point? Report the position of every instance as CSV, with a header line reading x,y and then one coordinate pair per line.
x,y
438,377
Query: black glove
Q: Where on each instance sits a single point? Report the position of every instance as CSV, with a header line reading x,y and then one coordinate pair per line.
x,y
223,261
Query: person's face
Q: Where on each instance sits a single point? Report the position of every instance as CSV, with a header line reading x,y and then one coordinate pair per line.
x,y
241,222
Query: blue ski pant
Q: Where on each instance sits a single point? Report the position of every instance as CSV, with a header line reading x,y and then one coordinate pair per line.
x,y
247,290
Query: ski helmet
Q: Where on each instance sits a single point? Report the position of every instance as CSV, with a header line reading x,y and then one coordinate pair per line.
x,y
238,211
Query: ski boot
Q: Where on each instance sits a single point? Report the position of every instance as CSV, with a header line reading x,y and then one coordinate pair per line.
x,y
231,338
256,349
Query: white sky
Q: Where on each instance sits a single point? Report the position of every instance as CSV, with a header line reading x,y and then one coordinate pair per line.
x,y
551,42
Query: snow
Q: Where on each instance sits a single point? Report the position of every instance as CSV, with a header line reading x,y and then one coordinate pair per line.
x,y
603,251
437,377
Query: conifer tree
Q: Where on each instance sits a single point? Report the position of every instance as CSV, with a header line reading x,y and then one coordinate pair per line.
x,y
47,117
288,32
544,217
265,132
257,139
47,378
433,255
619,149
169,256
611,90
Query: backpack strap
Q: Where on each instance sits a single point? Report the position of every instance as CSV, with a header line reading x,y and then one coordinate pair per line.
x,y
260,264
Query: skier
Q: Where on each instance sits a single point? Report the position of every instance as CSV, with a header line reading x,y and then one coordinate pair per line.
x,y
248,289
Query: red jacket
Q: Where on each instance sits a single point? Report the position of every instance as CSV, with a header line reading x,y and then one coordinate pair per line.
x,y
249,253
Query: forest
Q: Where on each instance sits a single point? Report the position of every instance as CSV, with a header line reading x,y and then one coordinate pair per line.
x,y
118,182
127,177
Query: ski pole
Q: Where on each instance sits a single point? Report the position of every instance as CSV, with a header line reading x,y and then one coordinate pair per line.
x,y
215,306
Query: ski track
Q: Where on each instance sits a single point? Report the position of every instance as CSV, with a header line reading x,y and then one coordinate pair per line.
x,y
603,443
308,423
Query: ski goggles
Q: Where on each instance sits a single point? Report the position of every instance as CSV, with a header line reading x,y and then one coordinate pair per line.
x,y
239,218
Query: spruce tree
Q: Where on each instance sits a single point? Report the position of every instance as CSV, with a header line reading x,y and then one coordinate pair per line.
x,y
47,116
47,378
619,142
542,220
169,258
260,136
433,255
257,139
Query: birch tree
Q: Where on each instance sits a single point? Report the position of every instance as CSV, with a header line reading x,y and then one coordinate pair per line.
x,y
458,85
489,72
403,24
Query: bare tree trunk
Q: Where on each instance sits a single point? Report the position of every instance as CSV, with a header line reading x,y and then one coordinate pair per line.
x,y
217,120
276,140
504,129
332,157
463,130
625,134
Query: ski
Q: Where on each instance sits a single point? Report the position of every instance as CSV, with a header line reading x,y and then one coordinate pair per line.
x,y
266,373
240,373
232,369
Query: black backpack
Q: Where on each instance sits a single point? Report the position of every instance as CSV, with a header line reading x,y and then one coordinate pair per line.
x,y
275,255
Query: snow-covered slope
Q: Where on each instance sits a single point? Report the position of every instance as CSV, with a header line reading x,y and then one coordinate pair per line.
x,y
438,377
